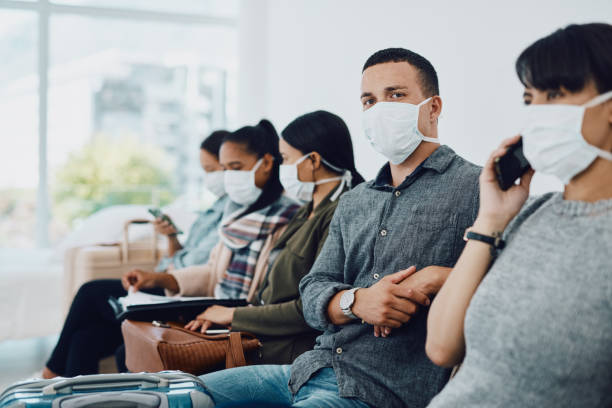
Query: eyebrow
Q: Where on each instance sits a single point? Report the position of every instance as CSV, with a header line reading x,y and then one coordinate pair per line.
x,y
527,94
387,89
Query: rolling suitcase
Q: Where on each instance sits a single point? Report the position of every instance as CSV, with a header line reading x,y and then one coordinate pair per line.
x,y
107,261
167,389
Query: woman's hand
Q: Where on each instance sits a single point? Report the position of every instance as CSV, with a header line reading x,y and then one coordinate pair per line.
x,y
219,315
164,227
498,207
139,279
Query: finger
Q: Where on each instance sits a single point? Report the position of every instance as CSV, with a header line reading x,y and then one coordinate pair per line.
x,y
397,277
404,309
399,315
196,325
205,326
377,331
387,331
396,324
412,294
189,325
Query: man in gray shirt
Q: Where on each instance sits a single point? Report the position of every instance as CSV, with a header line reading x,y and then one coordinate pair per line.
x,y
390,246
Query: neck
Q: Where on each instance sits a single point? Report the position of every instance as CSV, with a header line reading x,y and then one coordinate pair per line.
x,y
591,185
322,190
399,172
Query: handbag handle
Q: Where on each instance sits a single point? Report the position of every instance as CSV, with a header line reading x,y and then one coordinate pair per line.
x,y
234,356
125,244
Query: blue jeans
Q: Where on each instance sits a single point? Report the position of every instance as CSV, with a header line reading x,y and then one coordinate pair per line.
x,y
269,384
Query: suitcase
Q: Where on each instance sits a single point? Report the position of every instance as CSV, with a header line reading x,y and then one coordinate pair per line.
x,y
108,261
167,389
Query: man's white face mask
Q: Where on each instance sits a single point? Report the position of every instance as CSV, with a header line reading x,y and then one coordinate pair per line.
x,y
392,129
553,142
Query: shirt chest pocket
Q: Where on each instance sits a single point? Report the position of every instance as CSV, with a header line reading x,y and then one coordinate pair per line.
x,y
431,237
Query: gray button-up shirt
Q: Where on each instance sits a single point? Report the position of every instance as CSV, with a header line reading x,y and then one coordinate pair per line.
x,y
378,230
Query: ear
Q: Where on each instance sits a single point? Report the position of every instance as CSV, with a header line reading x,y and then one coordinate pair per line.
x,y
315,159
268,163
436,108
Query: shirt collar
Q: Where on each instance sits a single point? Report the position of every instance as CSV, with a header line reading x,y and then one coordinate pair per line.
x,y
438,161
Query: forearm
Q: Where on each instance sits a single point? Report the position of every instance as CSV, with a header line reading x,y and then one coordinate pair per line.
x,y
167,281
280,319
445,340
334,312
173,245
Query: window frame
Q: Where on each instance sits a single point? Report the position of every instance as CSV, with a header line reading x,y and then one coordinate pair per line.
x,y
44,10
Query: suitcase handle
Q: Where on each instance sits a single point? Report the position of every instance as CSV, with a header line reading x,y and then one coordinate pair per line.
x,y
112,380
109,399
125,244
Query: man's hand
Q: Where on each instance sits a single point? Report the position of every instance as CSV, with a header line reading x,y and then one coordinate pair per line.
x,y
427,281
164,227
386,303
220,315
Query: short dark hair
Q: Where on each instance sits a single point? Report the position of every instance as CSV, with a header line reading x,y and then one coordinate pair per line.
x,y
327,134
212,143
427,74
571,57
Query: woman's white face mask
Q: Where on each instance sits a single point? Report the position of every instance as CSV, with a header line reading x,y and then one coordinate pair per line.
x,y
240,185
553,142
295,188
214,182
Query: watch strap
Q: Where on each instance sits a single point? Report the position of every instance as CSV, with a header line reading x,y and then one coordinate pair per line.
x,y
495,241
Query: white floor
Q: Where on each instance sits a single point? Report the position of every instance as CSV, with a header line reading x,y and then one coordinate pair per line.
x,y
31,309
20,359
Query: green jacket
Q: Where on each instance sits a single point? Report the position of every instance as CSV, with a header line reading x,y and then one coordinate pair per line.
x,y
275,316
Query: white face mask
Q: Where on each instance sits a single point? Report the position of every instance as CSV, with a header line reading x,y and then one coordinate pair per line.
x,y
240,185
302,190
392,129
553,142
214,182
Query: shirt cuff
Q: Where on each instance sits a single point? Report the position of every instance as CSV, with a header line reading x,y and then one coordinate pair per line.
x,y
318,317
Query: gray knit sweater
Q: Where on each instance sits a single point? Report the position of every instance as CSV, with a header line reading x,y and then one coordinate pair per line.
x,y
538,330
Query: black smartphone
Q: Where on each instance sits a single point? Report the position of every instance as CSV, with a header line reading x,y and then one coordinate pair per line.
x,y
511,166
156,212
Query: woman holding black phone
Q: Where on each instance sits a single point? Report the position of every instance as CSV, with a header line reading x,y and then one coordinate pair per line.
x,y
527,309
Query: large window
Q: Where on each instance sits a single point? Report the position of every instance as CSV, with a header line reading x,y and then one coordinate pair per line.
x,y
104,102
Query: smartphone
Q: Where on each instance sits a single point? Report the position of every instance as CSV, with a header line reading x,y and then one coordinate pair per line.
x,y
511,166
217,331
156,212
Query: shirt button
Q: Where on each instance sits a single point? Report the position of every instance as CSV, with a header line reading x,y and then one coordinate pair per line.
x,y
398,193
376,276
383,233
339,350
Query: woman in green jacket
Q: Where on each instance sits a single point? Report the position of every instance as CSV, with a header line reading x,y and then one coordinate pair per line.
x,y
318,166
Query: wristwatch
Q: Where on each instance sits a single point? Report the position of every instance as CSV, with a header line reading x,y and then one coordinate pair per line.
x,y
346,303
494,240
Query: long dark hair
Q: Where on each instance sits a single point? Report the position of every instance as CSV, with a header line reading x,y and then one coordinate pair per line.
x,y
570,58
259,140
327,134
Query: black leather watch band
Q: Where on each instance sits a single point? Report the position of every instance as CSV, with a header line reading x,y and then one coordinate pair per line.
x,y
495,241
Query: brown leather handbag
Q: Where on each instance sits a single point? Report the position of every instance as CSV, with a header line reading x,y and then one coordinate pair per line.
x,y
156,347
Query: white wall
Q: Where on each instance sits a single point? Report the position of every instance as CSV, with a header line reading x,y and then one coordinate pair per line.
x,y
312,51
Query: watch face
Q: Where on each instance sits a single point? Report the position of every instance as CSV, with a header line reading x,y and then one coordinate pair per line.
x,y
346,300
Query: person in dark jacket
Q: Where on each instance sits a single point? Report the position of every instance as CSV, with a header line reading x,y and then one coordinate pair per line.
x,y
318,166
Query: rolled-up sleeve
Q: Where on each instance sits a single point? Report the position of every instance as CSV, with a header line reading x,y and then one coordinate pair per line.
x,y
326,278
